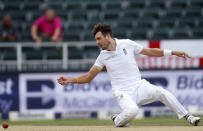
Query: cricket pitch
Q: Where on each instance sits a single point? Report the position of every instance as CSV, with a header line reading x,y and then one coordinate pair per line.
x,y
102,128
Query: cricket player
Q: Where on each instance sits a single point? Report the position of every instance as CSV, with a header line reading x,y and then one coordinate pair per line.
x,y
130,91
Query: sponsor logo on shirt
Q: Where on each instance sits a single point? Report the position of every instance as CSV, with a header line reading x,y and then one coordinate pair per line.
x,y
125,51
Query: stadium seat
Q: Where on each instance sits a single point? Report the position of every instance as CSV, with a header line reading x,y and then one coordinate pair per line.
x,y
87,36
90,52
34,16
74,53
63,15
178,3
73,6
197,32
12,6
52,53
92,6
55,5
26,34
80,15
31,6
31,53
18,16
150,12
26,37
94,17
111,16
139,33
160,33
157,4
120,34
71,36
160,13
200,22
115,6
186,21
124,25
8,53
136,4
180,33
75,27
166,23
38,1
130,14
193,12
134,19
196,3
91,25
174,13
145,22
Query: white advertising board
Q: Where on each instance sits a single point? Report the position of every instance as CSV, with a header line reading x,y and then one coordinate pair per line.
x,y
40,92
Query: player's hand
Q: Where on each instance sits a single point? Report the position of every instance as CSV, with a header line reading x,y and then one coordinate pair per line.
x,y
38,40
181,54
64,80
54,38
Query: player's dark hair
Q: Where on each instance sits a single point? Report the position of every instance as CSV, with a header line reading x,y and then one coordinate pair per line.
x,y
6,15
48,8
103,28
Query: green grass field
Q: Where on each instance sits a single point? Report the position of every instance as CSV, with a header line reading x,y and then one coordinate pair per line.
x,y
147,124
95,122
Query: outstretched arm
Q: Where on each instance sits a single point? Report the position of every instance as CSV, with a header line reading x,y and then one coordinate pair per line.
x,y
156,52
56,34
80,79
34,35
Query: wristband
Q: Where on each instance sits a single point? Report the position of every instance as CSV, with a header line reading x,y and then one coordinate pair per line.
x,y
76,79
167,52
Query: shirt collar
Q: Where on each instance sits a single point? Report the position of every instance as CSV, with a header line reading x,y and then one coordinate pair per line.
x,y
117,44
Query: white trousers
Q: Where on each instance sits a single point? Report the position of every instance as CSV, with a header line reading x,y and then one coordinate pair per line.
x,y
144,94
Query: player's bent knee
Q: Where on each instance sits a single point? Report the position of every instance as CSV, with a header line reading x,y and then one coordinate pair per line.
x,y
130,114
161,93
132,111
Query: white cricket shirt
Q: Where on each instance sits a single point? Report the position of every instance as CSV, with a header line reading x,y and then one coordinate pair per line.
x,y
121,64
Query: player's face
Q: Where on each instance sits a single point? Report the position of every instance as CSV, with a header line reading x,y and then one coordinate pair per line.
x,y
50,15
7,20
101,40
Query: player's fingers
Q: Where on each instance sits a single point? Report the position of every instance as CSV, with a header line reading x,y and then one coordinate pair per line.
x,y
61,82
187,56
184,55
63,78
181,55
59,78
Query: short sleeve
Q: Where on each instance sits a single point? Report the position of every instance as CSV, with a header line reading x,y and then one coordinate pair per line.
x,y
38,22
137,47
58,23
99,62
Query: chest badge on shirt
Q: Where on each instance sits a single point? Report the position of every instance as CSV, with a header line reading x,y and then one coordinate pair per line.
x,y
125,51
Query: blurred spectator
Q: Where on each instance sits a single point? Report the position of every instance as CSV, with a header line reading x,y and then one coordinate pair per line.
x,y
49,27
7,30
